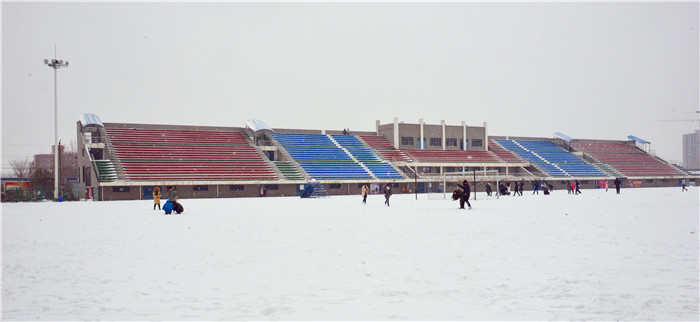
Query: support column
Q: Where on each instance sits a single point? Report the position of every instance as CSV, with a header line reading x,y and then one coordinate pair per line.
x,y
396,133
444,144
464,135
486,136
422,137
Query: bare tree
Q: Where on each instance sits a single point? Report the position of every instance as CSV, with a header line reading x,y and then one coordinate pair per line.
x,y
22,168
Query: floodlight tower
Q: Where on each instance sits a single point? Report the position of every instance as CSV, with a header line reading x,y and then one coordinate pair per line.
x,y
55,64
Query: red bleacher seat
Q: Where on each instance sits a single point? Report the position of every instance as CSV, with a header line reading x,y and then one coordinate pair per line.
x,y
376,141
626,158
157,155
174,136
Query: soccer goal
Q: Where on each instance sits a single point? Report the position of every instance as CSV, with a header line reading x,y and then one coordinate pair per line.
x,y
447,182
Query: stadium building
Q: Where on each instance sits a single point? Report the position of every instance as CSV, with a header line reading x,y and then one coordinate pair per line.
x,y
122,161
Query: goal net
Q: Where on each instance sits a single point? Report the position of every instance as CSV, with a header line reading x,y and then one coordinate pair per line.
x,y
442,185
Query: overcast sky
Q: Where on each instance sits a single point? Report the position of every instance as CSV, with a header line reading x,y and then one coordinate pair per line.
x,y
589,70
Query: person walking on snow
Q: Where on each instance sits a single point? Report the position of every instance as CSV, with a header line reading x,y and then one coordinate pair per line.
x,y
522,187
465,194
515,189
617,185
535,187
365,191
387,194
577,187
488,189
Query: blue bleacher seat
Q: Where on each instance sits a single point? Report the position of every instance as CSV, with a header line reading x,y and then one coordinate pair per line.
x,y
364,154
539,145
296,139
383,170
335,170
347,141
581,170
301,153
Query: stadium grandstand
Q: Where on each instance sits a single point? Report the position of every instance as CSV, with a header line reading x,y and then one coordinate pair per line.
x,y
120,161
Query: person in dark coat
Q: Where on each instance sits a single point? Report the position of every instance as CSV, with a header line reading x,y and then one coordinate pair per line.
x,y
617,185
465,195
535,187
365,192
522,187
516,189
387,194
488,189
578,186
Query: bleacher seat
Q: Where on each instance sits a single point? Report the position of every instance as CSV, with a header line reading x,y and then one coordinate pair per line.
x,y
347,141
383,170
159,154
551,158
335,170
626,158
454,156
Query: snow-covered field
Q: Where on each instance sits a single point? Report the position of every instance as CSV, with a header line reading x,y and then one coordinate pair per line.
x,y
595,256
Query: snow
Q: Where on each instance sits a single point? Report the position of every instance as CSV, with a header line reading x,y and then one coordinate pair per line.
x,y
594,256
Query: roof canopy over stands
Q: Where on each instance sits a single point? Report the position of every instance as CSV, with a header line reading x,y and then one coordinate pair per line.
x,y
257,125
563,136
90,119
638,140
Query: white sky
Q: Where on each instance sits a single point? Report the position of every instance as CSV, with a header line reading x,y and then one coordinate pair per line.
x,y
590,70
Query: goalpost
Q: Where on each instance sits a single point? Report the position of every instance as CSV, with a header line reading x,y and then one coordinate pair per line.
x,y
477,179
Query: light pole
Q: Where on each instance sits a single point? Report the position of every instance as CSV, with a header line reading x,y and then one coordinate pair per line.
x,y
55,64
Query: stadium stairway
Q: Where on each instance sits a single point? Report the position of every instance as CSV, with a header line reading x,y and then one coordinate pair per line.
x,y
351,155
112,155
610,171
289,170
290,173
377,167
552,159
105,171
319,190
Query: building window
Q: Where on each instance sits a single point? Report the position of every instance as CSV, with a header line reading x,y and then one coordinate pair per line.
x,y
451,142
271,187
407,141
435,142
334,186
120,189
476,142
236,187
200,188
